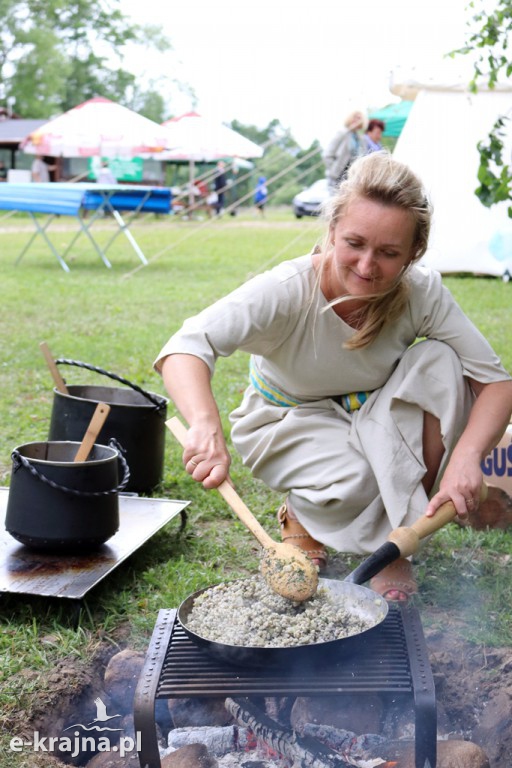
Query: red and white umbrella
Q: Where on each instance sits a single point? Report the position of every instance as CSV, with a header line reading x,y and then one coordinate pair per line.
x,y
98,127
198,138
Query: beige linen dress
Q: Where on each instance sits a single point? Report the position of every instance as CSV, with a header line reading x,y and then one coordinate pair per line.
x,y
350,476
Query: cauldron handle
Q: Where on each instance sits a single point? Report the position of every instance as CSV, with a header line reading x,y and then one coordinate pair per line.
x,y
18,460
159,403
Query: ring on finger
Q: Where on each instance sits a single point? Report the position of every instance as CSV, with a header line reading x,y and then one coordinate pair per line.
x,y
194,463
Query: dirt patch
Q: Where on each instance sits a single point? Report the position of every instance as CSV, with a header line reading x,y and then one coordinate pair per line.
x,y
474,693
473,687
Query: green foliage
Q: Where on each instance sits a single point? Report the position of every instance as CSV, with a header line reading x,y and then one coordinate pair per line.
x,y
40,78
493,174
490,42
50,58
287,167
150,104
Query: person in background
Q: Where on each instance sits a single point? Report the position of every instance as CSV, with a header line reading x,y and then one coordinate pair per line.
x,y
3,171
220,184
373,135
105,175
261,195
343,149
360,425
233,192
41,170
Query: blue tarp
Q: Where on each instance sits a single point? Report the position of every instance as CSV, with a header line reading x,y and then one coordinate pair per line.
x,y
66,199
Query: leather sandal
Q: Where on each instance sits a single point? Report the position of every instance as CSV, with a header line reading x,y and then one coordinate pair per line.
x,y
396,581
293,532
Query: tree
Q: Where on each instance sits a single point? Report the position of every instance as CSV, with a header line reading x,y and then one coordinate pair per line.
x,y
490,44
54,54
287,167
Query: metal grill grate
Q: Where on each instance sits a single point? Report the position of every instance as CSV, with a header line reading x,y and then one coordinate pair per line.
x,y
392,660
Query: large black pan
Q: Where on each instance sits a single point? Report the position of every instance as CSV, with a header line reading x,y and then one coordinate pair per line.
x,y
363,602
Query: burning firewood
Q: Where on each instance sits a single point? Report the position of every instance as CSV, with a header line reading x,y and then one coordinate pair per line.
x,y
307,751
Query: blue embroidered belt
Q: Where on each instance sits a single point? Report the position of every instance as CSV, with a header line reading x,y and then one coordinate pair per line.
x,y
269,391
351,402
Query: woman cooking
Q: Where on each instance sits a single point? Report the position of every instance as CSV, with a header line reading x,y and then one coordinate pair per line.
x,y
372,398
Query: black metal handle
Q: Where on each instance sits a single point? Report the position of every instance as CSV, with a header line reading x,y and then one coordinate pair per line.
x,y
19,461
384,555
159,402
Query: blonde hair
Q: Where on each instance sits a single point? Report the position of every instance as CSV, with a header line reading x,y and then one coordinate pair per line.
x,y
357,115
380,178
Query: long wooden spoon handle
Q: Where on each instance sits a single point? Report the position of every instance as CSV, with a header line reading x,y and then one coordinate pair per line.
x,y
227,492
408,539
245,515
57,378
92,432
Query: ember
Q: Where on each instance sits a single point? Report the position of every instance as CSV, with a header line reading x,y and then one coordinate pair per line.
x,y
386,665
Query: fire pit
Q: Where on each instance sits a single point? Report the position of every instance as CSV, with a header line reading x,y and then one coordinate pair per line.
x,y
392,662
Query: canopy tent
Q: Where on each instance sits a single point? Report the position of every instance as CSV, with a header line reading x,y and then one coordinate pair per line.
x,y
198,138
195,138
439,142
98,127
394,116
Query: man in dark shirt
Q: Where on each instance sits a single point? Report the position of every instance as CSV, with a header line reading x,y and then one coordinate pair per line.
x,y
219,184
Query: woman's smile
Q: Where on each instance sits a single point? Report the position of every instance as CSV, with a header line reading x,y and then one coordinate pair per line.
x,y
372,244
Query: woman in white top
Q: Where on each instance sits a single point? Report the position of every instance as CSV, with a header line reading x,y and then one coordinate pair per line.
x,y
372,398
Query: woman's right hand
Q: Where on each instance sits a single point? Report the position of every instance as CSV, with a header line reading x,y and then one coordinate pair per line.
x,y
188,381
206,457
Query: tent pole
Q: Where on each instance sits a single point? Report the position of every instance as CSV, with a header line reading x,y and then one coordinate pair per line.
x,y
191,184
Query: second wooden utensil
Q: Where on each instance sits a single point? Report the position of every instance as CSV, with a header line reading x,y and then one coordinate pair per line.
x,y
92,432
287,569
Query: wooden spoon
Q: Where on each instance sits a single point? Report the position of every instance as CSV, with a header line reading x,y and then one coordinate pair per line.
x,y
287,570
92,431
57,378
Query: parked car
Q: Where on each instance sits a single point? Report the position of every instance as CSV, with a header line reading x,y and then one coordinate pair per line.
x,y
310,200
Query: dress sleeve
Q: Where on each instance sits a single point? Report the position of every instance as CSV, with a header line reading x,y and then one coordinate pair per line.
x,y
439,316
254,318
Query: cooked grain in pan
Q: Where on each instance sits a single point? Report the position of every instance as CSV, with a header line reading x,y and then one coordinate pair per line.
x,y
247,613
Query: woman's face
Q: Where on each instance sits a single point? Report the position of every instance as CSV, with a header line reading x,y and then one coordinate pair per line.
x,y
372,244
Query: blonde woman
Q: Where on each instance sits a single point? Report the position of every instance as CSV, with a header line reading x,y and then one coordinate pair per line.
x,y
343,149
360,425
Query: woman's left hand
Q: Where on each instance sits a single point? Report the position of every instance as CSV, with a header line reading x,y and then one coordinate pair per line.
x,y
461,484
463,479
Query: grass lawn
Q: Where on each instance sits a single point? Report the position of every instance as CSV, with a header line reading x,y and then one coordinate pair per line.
x,y
118,319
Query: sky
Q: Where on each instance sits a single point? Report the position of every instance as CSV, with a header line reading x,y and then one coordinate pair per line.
x,y
306,64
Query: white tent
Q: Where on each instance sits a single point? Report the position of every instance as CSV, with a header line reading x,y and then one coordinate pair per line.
x,y
97,128
439,142
198,138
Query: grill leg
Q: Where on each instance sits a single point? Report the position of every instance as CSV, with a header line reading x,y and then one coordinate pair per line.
x,y
145,693
425,705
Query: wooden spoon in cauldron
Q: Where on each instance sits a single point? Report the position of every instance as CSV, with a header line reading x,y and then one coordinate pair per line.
x,y
91,433
287,570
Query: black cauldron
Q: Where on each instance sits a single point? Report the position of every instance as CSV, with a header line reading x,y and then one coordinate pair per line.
x,y
136,420
58,505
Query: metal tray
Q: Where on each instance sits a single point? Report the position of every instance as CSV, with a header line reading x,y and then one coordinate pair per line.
x,y
25,571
